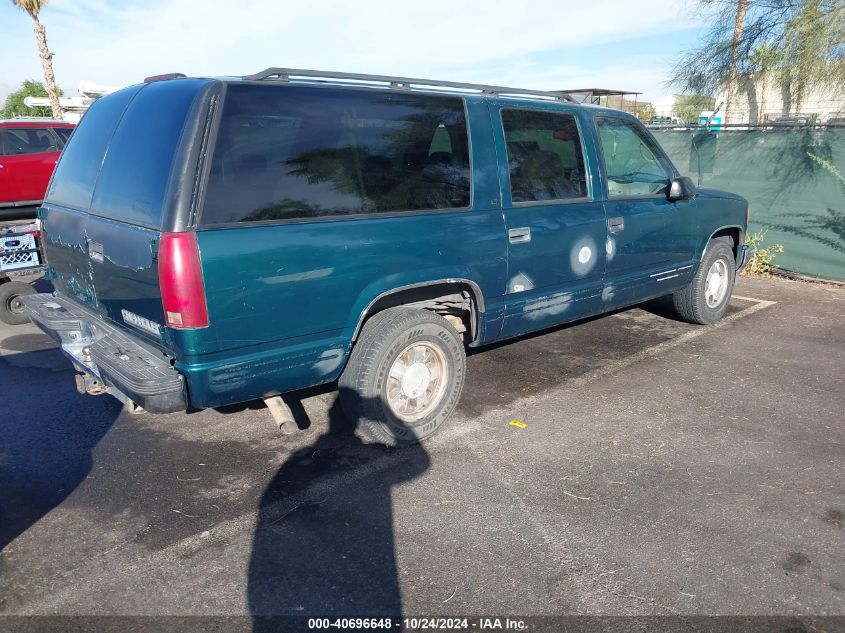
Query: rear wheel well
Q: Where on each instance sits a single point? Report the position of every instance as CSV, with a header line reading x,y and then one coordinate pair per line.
x,y
455,301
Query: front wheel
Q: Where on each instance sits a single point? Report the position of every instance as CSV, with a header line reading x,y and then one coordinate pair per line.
x,y
404,376
11,305
706,298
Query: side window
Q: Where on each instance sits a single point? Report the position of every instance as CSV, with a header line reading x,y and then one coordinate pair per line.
x,y
303,152
632,162
544,155
21,140
63,133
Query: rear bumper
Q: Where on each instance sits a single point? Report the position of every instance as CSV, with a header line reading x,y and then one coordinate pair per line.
x,y
129,368
26,210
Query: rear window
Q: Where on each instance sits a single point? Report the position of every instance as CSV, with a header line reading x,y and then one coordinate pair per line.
x,y
133,182
75,175
305,152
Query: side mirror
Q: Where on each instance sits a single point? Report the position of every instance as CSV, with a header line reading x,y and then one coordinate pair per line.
x,y
682,188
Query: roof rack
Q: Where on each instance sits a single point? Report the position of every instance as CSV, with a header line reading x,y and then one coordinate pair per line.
x,y
400,83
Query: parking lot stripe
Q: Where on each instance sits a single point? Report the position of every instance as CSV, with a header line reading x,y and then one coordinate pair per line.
x,y
741,298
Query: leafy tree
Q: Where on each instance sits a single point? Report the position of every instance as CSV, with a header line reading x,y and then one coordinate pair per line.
x,y
14,105
688,107
810,37
33,8
645,111
803,41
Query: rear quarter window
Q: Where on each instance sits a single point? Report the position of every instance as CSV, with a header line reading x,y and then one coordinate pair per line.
x,y
287,153
75,175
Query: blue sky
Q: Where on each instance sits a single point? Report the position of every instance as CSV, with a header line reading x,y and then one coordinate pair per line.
x,y
543,44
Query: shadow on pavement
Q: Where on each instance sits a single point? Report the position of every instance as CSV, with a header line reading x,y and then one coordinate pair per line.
x,y
312,556
46,439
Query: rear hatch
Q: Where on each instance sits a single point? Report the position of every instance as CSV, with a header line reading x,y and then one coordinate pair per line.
x,y
126,176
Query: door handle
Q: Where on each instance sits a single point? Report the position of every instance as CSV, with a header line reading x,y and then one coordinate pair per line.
x,y
520,235
615,225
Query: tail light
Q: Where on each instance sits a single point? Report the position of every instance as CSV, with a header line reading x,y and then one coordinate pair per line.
x,y
180,280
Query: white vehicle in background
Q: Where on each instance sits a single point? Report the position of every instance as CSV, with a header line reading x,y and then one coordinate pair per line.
x,y
661,121
73,107
664,122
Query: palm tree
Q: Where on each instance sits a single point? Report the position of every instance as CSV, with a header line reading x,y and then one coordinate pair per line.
x,y
33,8
764,58
739,25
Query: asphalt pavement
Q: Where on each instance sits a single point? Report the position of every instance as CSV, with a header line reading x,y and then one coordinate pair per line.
x,y
660,468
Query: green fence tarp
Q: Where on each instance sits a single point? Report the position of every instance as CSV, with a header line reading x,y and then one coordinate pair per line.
x,y
794,198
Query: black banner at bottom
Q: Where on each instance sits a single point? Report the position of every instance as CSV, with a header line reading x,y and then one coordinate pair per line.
x,y
420,624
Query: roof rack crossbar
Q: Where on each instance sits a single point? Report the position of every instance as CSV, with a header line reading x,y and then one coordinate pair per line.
x,y
402,83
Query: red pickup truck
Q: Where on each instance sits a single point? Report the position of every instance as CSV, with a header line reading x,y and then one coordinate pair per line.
x,y
29,150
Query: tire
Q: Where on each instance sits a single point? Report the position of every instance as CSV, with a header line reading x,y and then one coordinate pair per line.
x,y
11,309
701,302
377,385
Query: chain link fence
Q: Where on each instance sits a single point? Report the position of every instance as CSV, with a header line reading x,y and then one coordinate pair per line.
x,y
792,178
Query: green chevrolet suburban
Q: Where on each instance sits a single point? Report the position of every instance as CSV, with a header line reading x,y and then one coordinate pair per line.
x,y
218,240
